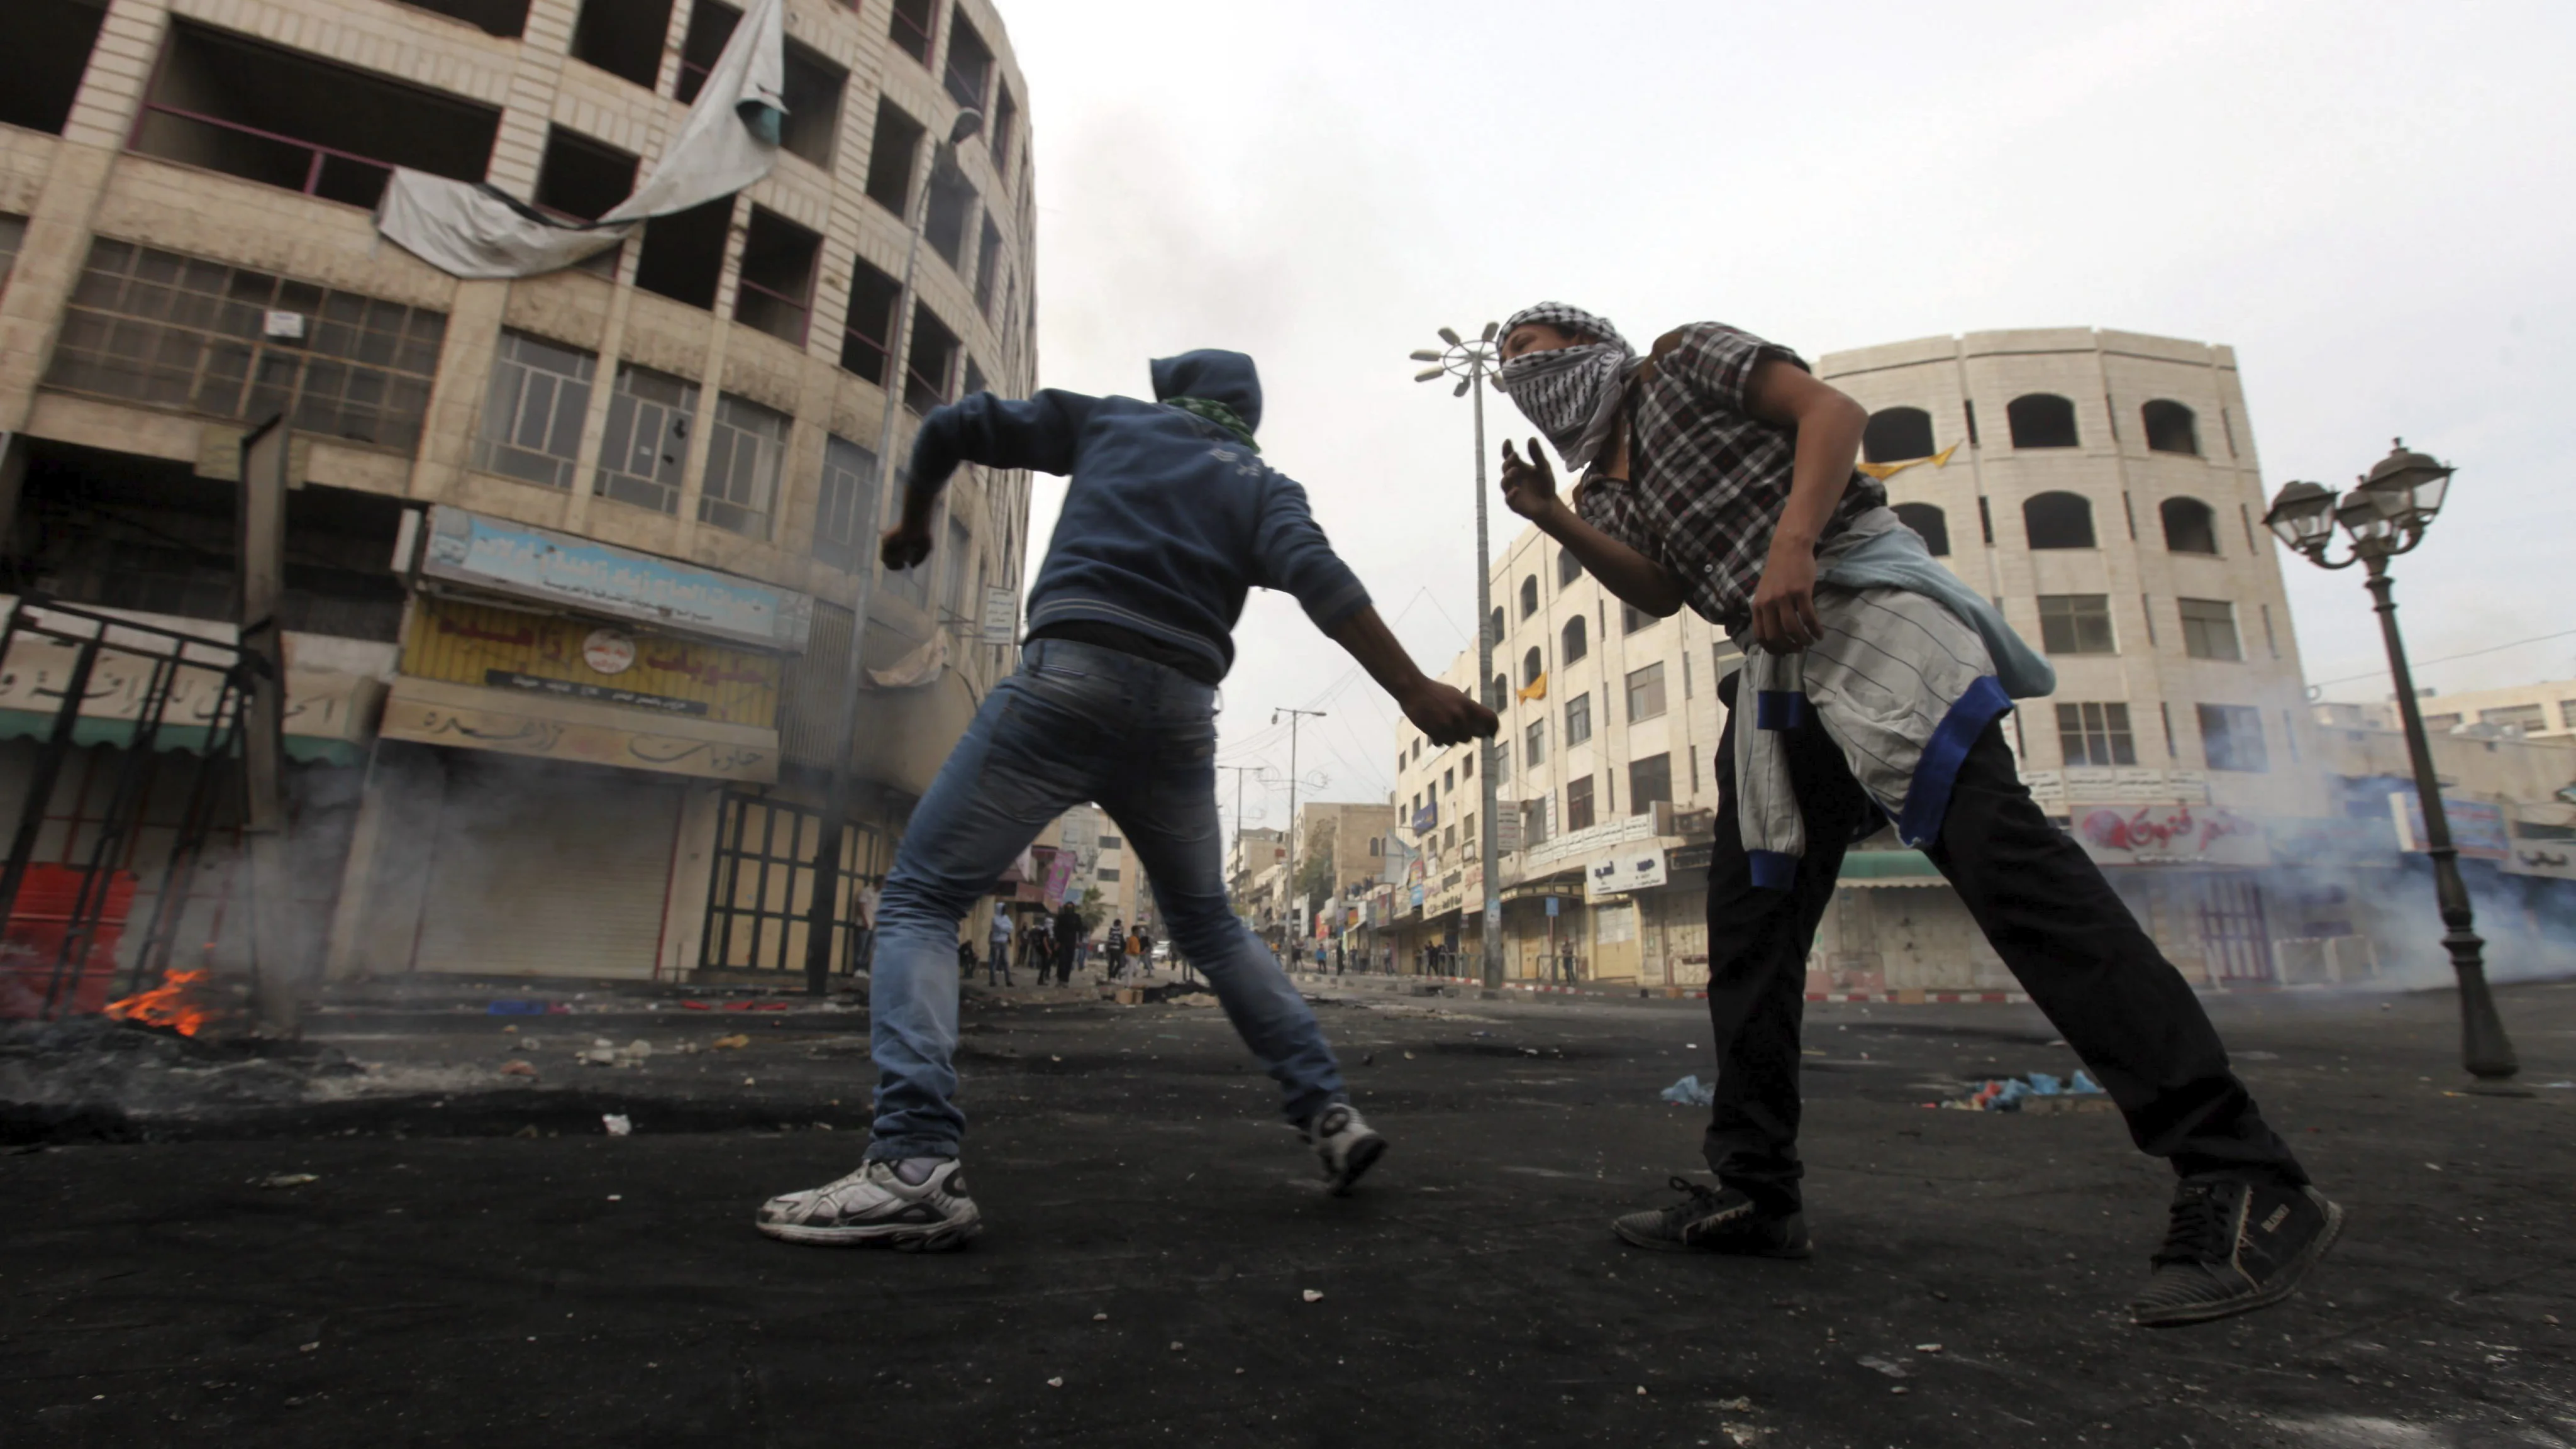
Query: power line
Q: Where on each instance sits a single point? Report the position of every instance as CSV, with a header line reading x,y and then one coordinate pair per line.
x,y
2447,658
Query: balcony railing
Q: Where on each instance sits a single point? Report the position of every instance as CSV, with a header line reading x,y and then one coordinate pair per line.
x,y
300,165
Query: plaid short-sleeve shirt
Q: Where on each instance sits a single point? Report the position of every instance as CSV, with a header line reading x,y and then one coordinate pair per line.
x,y
1707,479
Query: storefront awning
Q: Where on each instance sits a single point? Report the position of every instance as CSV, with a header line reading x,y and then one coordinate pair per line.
x,y
1890,868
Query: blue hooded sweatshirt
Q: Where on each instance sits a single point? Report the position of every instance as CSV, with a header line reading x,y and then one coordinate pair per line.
x,y
1171,518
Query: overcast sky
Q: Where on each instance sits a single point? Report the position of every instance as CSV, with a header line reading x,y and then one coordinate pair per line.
x,y
2370,202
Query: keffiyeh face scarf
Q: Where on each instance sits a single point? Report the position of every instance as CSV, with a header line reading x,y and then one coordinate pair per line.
x,y
1571,394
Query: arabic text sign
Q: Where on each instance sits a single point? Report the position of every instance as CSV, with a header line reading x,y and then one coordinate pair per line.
x,y
465,643
1641,867
598,578
2169,835
2477,828
1001,615
2552,859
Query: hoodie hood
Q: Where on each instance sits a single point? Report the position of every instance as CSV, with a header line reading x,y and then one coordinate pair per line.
x,y
1218,376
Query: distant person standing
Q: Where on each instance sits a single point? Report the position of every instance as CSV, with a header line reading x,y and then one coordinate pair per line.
x,y
1113,949
1068,942
1337,958
997,954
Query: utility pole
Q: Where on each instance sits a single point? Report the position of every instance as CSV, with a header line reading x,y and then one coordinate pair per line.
x,y
259,517
1293,719
1239,772
1474,364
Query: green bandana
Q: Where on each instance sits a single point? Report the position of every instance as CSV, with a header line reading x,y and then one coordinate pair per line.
x,y
1217,413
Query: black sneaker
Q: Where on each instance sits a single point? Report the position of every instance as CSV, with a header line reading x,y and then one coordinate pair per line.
x,y
1719,1221
2233,1247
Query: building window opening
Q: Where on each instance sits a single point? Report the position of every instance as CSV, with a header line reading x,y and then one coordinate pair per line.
x,y
1006,115
2058,520
891,156
943,225
969,75
1532,666
1568,568
930,371
1529,596
1534,743
710,26
1494,626
164,330
913,27
648,439
988,265
1632,619
531,425
1895,435
2191,526
2076,624
845,514
2041,420
2095,734
1650,783
683,253
746,452
974,379
1646,693
1498,692
47,54
1931,523
13,235
623,38
1578,804
2209,629
867,336
813,90
2171,428
1572,641
777,289
579,180
2231,736
1578,720
283,119
505,19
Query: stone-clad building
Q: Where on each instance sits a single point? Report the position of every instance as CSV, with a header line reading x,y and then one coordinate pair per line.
x,y
570,557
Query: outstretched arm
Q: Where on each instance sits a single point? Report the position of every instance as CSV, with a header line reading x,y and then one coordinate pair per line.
x,y
1529,489
1445,714
1038,432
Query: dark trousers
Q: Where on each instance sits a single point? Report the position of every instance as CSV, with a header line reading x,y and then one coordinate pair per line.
x,y
2043,904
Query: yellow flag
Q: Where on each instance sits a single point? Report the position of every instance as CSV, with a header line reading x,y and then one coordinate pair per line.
x,y
1884,471
1537,689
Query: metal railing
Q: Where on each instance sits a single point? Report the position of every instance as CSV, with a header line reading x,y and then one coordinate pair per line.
x,y
321,155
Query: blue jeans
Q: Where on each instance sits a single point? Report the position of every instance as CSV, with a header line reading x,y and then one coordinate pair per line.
x,y
1077,723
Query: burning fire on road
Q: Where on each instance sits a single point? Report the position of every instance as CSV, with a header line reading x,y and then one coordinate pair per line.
x,y
167,1004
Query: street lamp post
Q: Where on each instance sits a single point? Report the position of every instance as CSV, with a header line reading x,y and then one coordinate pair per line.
x,y
821,913
1474,363
2385,516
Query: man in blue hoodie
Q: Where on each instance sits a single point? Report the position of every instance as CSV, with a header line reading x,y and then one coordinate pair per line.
x,y
1171,518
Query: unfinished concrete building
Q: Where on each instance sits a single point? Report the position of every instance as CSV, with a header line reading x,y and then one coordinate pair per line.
x,y
606,762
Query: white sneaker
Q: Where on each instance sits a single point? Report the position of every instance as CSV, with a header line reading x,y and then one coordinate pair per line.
x,y
1347,1145
875,1207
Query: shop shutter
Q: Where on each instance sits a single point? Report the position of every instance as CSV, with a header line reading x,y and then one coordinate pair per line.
x,y
548,870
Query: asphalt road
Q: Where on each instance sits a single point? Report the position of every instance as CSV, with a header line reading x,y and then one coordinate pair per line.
x,y
1156,1240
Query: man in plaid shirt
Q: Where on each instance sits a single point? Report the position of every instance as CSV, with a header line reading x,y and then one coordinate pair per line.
x,y
1718,473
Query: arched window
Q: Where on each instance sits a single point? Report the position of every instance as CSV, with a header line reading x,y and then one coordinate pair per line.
x,y
1498,693
2191,526
1568,567
1930,522
1494,625
2041,420
2170,427
2058,520
1532,667
1576,644
1896,434
1529,596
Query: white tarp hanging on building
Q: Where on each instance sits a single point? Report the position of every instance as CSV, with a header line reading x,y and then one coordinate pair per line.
x,y
730,140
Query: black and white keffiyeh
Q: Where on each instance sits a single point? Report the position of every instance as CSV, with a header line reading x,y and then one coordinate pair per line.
x,y
1571,394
